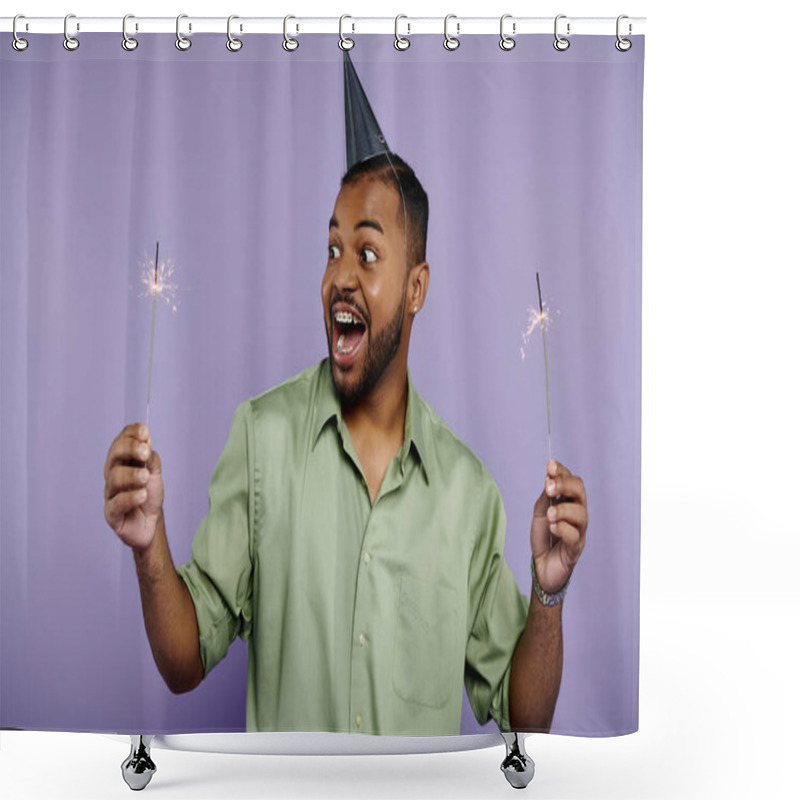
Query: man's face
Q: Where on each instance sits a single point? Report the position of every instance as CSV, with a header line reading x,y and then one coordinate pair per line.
x,y
364,286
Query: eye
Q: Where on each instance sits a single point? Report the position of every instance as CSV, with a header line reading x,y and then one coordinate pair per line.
x,y
333,251
369,255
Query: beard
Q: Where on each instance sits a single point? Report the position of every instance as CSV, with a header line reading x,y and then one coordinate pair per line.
x,y
377,357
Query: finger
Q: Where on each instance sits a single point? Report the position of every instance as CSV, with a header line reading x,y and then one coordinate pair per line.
x,y
128,450
569,536
567,486
135,431
541,505
556,469
122,479
572,513
154,463
120,447
118,507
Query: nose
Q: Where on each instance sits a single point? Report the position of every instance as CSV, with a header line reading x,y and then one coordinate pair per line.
x,y
345,274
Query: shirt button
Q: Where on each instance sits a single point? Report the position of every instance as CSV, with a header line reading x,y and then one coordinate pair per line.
x,y
366,558
362,640
358,720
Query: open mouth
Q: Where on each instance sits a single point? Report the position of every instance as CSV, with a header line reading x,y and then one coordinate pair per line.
x,y
348,333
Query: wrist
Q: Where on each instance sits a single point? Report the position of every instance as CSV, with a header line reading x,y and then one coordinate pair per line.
x,y
547,599
146,553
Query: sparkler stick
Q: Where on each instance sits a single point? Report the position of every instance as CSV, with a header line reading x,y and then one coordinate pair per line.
x,y
152,333
546,368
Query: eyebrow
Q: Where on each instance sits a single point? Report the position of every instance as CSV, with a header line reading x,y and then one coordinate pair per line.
x,y
365,223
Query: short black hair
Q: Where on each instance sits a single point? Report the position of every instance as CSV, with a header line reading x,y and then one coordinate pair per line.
x,y
390,169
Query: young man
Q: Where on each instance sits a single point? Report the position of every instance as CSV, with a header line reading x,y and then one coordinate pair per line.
x,y
352,539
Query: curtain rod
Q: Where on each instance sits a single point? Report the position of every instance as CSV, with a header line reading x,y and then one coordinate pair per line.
x,y
350,25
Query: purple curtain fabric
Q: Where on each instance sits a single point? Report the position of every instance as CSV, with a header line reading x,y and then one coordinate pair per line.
x,y
532,161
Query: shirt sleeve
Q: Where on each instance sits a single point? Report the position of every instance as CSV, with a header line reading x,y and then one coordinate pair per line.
x,y
498,610
219,573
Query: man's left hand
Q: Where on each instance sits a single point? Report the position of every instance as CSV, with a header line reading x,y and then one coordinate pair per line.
x,y
558,530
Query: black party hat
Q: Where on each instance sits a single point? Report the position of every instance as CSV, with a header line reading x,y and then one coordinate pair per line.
x,y
364,136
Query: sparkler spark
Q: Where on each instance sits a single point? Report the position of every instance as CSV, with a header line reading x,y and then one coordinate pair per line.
x,y
536,319
158,280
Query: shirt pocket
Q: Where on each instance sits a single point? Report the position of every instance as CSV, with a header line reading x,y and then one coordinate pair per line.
x,y
427,669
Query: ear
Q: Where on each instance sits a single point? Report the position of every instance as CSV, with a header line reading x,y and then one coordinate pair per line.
x,y
418,278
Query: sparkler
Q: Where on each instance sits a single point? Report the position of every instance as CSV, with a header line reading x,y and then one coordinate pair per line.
x,y
546,367
157,285
153,334
540,319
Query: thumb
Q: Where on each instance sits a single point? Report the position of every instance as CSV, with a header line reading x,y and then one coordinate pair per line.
x,y
542,501
154,462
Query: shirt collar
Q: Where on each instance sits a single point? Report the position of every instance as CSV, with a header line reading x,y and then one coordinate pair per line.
x,y
328,407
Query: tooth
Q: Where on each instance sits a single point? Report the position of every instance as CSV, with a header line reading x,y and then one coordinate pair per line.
x,y
340,348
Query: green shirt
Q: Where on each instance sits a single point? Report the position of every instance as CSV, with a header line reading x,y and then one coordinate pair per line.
x,y
358,617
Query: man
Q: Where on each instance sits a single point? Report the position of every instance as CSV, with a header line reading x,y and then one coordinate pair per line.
x,y
352,538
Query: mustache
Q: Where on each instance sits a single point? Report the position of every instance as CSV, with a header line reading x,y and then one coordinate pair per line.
x,y
351,301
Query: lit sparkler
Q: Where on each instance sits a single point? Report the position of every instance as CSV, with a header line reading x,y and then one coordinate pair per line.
x,y
540,319
158,282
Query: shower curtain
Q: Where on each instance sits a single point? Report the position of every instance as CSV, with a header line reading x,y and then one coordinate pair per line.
x,y
231,161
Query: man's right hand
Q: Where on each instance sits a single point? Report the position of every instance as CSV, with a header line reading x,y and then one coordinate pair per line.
x,y
134,491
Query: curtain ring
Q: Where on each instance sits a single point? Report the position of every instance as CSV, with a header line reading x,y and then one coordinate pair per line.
x,y
18,43
70,42
181,42
345,43
507,42
233,44
400,42
451,42
289,44
128,42
623,45
560,43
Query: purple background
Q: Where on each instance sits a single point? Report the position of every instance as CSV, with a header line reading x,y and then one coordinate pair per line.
x,y
532,161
